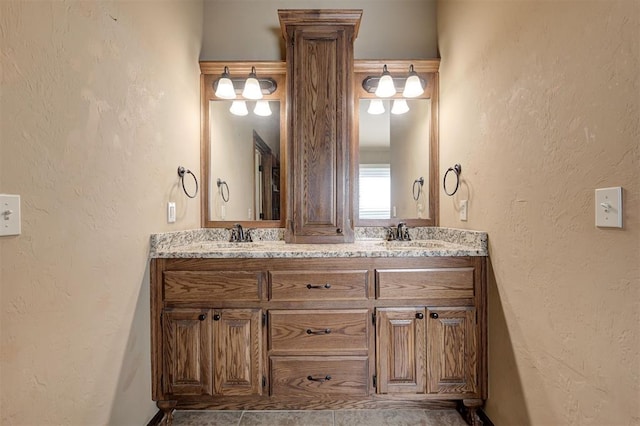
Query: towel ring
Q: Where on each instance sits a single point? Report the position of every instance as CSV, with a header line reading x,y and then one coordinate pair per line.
x,y
419,181
457,169
181,172
222,185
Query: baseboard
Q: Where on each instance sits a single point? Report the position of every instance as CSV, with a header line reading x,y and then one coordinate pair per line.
x,y
155,420
486,421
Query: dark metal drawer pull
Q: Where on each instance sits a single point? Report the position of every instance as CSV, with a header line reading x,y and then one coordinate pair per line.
x,y
325,331
321,379
310,286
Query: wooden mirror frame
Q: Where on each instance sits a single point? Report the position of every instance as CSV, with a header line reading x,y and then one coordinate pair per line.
x,y
210,71
427,69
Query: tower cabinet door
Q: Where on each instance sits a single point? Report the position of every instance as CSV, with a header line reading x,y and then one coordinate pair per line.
x,y
452,350
237,342
187,352
401,351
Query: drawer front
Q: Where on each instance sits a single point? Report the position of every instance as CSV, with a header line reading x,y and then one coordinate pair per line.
x,y
211,286
425,283
319,285
319,376
319,330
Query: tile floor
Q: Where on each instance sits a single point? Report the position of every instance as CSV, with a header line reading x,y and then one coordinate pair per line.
x,y
409,417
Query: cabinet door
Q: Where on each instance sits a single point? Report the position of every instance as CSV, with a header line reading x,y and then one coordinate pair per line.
x,y
452,350
187,352
320,62
237,340
400,348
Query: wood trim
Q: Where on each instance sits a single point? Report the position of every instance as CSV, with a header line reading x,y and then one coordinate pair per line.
x,y
486,421
347,17
157,419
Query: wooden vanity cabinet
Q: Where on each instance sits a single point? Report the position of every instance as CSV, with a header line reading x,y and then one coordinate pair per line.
x,y
319,51
318,333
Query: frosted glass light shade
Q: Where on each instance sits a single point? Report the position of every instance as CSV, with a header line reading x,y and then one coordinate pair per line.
x,y
413,87
376,107
262,109
239,108
385,88
225,89
252,87
399,107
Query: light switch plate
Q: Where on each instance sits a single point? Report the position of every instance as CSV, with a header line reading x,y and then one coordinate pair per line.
x,y
609,207
464,209
171,212
9,215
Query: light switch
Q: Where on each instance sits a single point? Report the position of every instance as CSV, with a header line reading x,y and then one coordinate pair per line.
x,y
609,207
9,215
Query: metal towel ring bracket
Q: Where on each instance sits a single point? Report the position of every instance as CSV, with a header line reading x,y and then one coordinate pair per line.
x,y
419,183
222,185
457,169
181,172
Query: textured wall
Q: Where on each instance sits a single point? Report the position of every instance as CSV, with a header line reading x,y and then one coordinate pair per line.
x,y
250,29
540,103
99,106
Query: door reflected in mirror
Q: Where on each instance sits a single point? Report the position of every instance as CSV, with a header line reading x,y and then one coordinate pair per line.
x,y
245,154
393,179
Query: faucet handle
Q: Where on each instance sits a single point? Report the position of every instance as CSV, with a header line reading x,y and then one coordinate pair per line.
x,y
391,233
247,235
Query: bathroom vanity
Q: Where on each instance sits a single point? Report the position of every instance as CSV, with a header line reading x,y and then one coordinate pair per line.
x,y
271,325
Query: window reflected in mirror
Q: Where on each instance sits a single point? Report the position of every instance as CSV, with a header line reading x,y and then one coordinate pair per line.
x,y
394,159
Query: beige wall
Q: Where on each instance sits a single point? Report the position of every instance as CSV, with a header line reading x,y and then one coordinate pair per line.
x,y
540,103
99,106
250,29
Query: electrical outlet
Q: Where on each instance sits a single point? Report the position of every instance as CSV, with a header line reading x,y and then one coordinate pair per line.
x,y
9,215
171,212
464,209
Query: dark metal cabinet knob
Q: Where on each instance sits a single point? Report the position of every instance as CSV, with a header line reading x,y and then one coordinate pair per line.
x,y
434,315
202,317
216,317
420,315
339,230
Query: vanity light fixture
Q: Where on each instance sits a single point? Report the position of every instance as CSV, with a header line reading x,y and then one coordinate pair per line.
x,y
413,86
252,88
399,106
386,88
239,108
376,107
224,86
262,108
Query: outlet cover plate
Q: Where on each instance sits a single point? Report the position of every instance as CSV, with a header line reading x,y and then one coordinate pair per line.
x,y
609,207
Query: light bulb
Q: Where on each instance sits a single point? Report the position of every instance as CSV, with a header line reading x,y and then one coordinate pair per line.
x,y
239,108
399,106
252,86
262,109
225,89
376,107
386,88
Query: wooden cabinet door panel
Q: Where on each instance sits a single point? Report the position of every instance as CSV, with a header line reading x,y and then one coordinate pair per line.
x,y
237,340
187,352
452,350
331,331
400,350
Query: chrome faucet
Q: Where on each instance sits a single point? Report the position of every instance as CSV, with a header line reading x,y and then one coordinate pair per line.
x,y
399,233
239,235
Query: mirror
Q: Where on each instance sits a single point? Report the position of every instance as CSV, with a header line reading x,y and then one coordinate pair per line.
x,y
397,153
242,155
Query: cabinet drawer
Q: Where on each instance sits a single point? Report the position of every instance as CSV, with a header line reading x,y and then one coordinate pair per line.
x,y
319,376
319,330
211,286
425,283
318,285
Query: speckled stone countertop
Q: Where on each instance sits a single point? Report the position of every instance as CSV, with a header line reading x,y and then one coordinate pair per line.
x,y
269,243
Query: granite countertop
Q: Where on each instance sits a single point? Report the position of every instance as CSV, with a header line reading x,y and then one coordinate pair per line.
x,y
268,243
